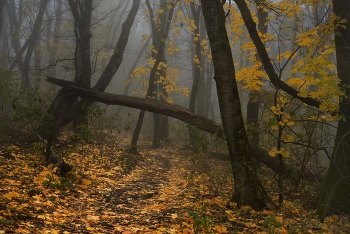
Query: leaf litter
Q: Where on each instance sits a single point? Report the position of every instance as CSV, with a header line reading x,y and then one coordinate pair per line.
x,y
160,190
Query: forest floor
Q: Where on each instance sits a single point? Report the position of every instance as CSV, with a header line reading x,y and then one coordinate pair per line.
x,y
161,190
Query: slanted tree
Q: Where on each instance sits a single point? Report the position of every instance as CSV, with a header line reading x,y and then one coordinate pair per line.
x,y
248,189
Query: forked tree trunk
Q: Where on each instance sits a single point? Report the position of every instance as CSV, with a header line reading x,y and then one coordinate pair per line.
x,y
248,189
63,109
82,61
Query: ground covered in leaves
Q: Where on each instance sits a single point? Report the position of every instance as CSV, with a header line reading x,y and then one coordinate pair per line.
x,y
161,190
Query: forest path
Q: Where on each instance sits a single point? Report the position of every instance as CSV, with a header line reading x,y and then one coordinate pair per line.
x,y
147,195
170,190
160,195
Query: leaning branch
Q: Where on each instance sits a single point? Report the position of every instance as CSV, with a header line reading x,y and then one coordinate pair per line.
x,y
265,59
172,110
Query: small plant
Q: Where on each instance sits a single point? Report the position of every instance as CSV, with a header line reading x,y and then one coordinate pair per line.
x,y
61,183
201,221
198,140
271,223
5,222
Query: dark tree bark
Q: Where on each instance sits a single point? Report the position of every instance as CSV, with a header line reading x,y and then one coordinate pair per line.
x,y
81,12
63,110
112,34
334,197
248,189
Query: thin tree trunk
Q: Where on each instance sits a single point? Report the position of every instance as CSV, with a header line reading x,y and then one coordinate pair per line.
x,y
254,96
208,90
2,4
127,86
152,86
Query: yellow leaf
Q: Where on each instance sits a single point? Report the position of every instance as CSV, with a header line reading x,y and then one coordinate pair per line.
x,y
94,177
93,217
174,216
86,182
11,195
221,229
90,228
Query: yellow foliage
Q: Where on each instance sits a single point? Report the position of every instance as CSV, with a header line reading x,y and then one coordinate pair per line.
x,y
273,152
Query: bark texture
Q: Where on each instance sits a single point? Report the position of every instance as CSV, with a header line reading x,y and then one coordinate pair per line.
x,y
248,189
334,197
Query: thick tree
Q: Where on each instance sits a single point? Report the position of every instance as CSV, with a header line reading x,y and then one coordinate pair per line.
x,y
248,189
334,197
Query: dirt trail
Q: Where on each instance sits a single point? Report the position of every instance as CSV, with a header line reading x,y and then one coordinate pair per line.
x,y
149,194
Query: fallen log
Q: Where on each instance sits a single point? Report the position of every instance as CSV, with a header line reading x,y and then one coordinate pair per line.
x,y
177,112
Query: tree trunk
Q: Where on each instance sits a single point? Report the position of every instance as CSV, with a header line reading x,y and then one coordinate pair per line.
x,y
334,197
254,96
56,37
208,89
82,61
248,189
4,39
2,4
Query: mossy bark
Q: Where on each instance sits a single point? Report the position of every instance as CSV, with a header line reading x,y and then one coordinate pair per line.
x,y
248,189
